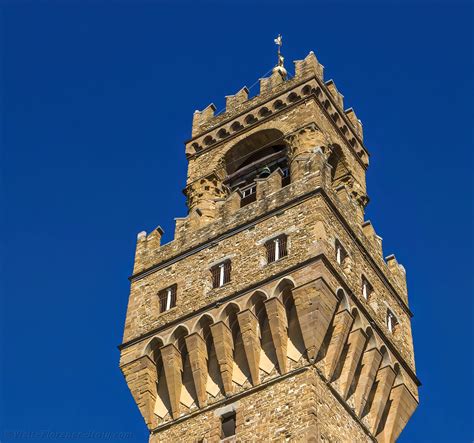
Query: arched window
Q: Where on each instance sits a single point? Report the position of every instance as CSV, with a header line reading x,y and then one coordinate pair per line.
x,y
257,156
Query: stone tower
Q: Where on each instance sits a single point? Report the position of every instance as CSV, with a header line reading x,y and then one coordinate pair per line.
x,y
272,315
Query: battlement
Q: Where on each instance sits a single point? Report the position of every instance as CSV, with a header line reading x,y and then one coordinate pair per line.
x,y
276,93
206,119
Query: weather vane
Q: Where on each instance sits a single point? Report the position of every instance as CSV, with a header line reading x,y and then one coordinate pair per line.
x,y
280,67
279,41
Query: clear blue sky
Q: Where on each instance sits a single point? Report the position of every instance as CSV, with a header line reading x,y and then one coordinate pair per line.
x,y
96,102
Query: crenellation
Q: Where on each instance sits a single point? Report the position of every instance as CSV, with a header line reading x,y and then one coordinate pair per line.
x,y
309,66
233,102
398,273
374,239
270,84
200,118
356,123
338,97
269,87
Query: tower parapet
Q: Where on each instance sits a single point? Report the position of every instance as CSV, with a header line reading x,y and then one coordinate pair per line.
x,y
206,123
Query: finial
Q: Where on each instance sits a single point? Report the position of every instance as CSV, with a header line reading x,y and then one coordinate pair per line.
x,y
280,68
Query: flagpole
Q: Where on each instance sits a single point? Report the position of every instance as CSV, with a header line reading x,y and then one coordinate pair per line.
x,y
279,47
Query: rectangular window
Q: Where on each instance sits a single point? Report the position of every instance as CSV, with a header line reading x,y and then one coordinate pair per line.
x,y
366,288
392,321
286,180
221,274
228,427
249,195
341,253
276,248
167,298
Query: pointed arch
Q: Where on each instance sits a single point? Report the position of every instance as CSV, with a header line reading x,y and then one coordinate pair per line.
x,y
344,303
178,335
205,319
371,340
357,323
152,348
338,163
284,284
256,300
386,358
264,150
226,311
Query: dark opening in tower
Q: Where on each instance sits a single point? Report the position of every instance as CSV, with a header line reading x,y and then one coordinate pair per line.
x,y
257,156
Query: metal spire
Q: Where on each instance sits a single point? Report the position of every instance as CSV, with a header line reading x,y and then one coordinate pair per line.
x,y
280,65
279,42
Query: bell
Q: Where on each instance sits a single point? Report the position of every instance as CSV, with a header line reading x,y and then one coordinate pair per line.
x,y
265,172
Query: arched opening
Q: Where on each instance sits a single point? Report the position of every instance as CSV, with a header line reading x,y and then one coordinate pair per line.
x,y
343,305
343,300
370,343
268,358
399,378
285,283
391,321
339,170
357,322
386,361
257,156
214,384
296,347
241,371
152,349
162,407
188,392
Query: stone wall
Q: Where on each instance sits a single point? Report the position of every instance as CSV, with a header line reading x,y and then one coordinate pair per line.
x,y
290,410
